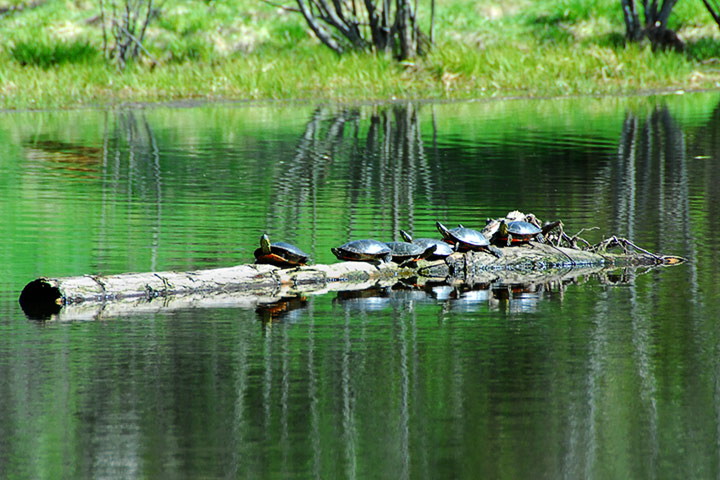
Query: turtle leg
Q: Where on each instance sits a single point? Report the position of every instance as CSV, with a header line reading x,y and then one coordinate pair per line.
x,y
495,251
509,240
428,252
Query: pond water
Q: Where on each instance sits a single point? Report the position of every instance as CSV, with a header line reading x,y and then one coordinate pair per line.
x,y
608,377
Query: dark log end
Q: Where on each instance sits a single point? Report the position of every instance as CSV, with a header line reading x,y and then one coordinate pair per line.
x,y
40,299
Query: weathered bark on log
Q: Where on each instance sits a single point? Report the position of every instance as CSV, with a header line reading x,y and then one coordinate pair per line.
x,y
247,284
248,279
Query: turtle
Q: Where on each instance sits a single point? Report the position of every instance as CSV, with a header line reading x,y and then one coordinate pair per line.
x,y
366,250
442,249
280,254
465,239
409,252
516,232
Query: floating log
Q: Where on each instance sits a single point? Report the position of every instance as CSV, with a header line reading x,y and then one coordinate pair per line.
x,y
519,264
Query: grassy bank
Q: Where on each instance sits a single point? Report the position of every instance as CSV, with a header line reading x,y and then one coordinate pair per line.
x,y
51,56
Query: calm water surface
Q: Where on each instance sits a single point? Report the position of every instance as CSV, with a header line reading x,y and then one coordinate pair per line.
x,y
610,377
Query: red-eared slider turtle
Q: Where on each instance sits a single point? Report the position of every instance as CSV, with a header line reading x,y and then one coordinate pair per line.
x,y
405,251
516,232
442,249
465,239
280,254
363,250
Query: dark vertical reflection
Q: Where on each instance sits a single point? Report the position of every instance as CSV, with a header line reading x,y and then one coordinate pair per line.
x,y
403,414
651,189
349,433
314,400
239,438
296,180
377,153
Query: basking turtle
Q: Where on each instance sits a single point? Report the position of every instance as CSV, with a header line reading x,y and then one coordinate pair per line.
x,y
465,239
280,254
363,250
442,249
516,232
405,251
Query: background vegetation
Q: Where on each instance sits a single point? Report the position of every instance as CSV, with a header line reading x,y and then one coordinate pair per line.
x,y
52,54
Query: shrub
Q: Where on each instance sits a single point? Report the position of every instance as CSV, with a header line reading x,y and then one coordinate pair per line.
x,y
45,54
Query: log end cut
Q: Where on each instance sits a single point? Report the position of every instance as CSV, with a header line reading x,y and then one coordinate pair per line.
x,y
41,298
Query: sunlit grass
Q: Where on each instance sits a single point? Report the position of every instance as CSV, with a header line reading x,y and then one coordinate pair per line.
x,y
243,50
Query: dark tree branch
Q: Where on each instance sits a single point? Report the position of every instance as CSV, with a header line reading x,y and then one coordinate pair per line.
x,y
715,14
323,35
391,25
655,23
123,26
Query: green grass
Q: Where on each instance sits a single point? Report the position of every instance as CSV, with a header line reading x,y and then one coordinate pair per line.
x,y
242,49
46,55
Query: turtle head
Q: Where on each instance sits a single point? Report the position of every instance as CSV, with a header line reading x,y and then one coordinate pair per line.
x,y
503,229
406,236
265,243
442,229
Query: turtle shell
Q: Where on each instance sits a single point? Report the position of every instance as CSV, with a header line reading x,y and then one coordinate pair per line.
x,y
363,250
522,228
464,238
281,254
522,231
442,249
404,251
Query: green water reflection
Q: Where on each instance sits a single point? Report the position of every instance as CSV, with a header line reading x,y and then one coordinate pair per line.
x,y
589,380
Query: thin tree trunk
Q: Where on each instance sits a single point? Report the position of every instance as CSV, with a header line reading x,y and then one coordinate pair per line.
x,y
432,22
632,21
407,47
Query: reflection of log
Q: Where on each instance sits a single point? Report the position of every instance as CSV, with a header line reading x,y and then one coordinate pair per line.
x,y
531,262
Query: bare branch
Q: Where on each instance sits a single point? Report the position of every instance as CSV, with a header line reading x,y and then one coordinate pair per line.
x,y
391,24
318,29
282,7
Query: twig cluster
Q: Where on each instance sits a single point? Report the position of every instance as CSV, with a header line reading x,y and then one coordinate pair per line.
x,y
380,25
554,234
126,22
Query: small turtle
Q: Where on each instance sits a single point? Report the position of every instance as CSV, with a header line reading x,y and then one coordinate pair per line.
x,y
465,239
367,250
280,254
442,249
516,232
409,252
